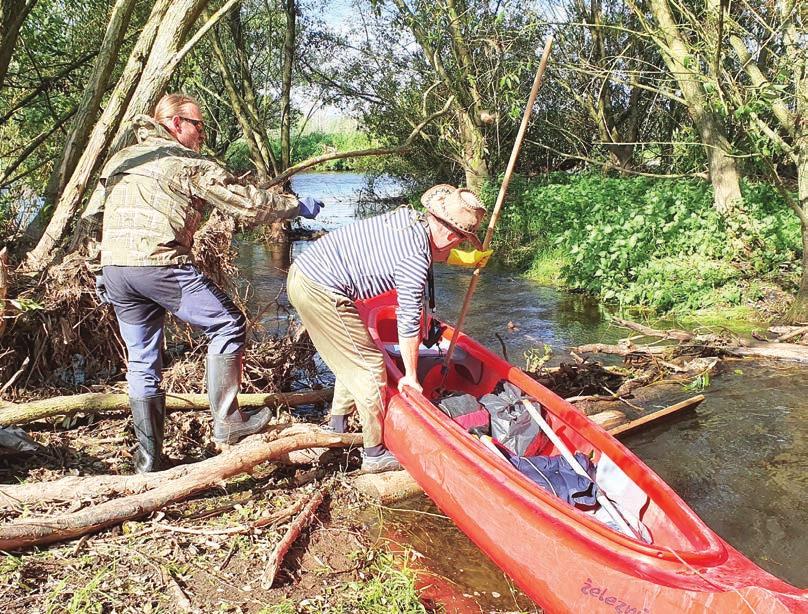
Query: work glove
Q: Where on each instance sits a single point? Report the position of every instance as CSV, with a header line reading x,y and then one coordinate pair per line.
x,y
470,258
310,207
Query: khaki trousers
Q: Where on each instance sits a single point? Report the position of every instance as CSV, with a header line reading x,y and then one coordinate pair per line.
x,y
345,345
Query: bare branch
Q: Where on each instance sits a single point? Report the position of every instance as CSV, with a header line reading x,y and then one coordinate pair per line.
x,y
360,153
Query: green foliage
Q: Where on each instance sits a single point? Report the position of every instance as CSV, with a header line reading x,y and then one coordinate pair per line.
x,y
309,145
389,589
237,157
700,383
535,359
313,144
645,242
83,599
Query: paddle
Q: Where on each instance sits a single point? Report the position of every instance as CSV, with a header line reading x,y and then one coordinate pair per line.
x,y
475,276
576,466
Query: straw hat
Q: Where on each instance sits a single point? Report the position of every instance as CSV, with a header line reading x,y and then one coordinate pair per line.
x,y
458,207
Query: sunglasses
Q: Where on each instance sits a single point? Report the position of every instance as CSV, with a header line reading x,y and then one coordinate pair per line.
x,y
199,124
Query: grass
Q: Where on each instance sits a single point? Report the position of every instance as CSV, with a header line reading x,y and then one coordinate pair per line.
x,y
545,269
386,588
389,587
83,598
741,319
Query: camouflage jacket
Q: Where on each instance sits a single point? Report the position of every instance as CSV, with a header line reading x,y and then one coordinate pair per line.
x,y
153,195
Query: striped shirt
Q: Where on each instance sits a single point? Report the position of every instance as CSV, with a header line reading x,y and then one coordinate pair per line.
x,y
372,256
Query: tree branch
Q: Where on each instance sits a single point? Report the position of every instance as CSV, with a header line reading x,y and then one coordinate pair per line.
x,y
360,153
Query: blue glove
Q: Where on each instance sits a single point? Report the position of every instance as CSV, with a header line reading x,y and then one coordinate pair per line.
x,y
310,207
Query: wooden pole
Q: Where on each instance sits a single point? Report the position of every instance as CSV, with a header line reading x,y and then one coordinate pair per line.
x,y
653,417
475,276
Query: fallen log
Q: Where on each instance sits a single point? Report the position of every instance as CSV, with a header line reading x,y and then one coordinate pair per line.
x,y
279,552
202,476
779,351
84,487
609,419
387,487
678,335
797,332
99,402
621,349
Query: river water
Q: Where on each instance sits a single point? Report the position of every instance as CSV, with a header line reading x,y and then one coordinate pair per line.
x,y
740,460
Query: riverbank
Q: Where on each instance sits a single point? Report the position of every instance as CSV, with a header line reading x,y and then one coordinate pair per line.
x,y
652,245
211,553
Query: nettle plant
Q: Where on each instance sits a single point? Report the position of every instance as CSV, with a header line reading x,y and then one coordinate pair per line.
x,y
650,242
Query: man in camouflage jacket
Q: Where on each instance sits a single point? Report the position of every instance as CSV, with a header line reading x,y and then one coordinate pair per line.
x,y
152,196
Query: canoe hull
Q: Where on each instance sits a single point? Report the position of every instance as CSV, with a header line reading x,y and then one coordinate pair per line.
x,y
561,559
545,558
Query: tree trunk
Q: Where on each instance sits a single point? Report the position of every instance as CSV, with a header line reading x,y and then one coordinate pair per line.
x,y
799,308
683,63
473,162
473,140
12,16
798,312
796,55
239,110
95,150
91,99
159,69
286,83
470,150
257,120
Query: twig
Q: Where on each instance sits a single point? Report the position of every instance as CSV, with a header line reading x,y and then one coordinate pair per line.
x,y
621,399
292,533
504,349
180,598
229,556
14,377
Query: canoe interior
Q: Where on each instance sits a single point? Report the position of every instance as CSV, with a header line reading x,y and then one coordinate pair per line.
x,y
676,531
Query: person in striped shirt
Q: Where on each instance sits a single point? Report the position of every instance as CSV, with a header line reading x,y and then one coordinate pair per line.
x,y
362,260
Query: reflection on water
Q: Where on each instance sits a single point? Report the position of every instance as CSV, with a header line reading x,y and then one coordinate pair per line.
x,y
740,460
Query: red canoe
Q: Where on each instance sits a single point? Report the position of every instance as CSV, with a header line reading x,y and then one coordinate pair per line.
x,y
562,557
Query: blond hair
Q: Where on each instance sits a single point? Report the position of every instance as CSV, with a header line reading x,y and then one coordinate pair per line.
x,y
171,105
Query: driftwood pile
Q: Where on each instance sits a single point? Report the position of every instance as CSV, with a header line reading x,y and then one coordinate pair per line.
x,y
60,339
659,347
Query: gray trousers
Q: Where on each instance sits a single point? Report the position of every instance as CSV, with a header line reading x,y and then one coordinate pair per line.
x,y
141,297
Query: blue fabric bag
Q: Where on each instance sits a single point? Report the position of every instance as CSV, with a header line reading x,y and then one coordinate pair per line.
x,y
555,475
